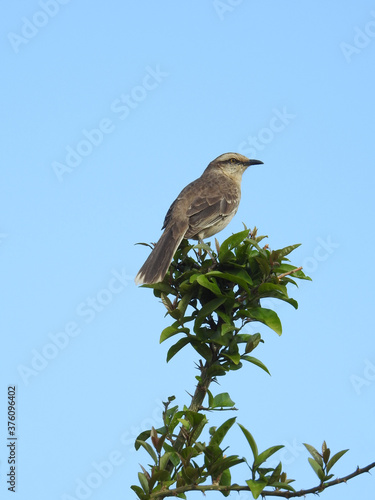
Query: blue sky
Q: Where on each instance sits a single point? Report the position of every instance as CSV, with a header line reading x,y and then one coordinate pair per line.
x,y
108,112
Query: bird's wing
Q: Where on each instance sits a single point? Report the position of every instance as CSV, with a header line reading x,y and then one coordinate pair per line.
x,y
207,211
204,205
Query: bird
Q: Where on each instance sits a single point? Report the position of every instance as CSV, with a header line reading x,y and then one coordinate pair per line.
x,y
203,208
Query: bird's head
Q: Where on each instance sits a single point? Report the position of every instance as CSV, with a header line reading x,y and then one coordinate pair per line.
x,y
233,164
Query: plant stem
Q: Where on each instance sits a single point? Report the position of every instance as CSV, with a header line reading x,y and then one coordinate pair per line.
x,y
195,405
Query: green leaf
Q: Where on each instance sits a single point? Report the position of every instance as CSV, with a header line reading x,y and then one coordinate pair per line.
x,y
324,447
263,261
326,452
194,422
138,491
226,328
235,357
254,242
267,317
170,412
240,277
143,480
185,423
221,401
275,474
288,279
210,398
175,314
276,291
149,450
283,486
250,440
233,241
225,317
194,417
225,480
317,468
202,349
265,288
184,302
207,309
224,463
164,459
292,302
220,433
216,370
160,476
170,331
314,453
173,456
212,453
191,473
211,285
242,338
256,487
262,457
203,246
256,362
177,347
142,437
252,342
334,459
279,254
230,366
196,432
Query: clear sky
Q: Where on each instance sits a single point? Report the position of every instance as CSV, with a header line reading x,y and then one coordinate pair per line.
x,y
108,111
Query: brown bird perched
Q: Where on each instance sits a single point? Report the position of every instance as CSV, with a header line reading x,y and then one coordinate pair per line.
x,y
201,210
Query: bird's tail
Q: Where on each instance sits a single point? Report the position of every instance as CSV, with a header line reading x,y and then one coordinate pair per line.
x,y
158,262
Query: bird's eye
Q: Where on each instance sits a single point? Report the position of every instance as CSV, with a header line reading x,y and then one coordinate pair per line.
x,y
232,160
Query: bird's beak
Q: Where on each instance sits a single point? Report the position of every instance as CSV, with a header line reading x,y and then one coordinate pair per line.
x,y
253,162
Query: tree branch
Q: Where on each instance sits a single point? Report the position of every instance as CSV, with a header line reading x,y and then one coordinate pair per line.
x,y
276,493
195,405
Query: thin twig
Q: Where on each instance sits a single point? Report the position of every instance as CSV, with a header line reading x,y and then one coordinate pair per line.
x,y
203,408
290,272
321,487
